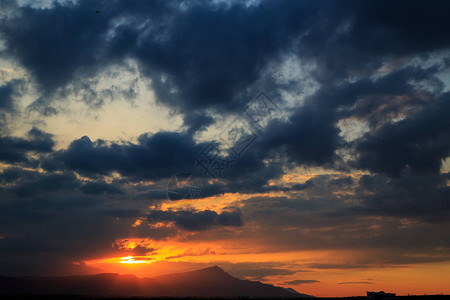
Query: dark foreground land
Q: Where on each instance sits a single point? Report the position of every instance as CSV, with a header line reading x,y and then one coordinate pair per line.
x,y
73,297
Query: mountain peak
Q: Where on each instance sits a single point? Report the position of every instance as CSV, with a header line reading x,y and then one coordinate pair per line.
x,y
214,272
214,268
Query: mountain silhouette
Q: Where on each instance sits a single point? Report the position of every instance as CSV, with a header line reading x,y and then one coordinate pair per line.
x,y
210,282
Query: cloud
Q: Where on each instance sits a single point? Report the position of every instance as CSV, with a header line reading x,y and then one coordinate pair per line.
x,y
47,183
96,188
356,38
325,266
409,195
15,149
210,54
307,139
301,281
418,143
6,95
257,270
372,212
196,220
206,55
161,156
156,156
72,35
197,122
356,282
191,252
193,56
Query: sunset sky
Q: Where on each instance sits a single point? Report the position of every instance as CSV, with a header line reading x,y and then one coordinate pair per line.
x,y
304,144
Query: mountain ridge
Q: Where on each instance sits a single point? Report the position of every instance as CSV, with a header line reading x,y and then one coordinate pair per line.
x,y
208,282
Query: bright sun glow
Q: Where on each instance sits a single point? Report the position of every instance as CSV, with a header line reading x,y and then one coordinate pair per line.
x,y
128,260
133,260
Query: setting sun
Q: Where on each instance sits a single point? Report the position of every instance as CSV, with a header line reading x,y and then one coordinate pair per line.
x,y
134,260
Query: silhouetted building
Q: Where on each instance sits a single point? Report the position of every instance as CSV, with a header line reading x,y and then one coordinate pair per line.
x,y
379,295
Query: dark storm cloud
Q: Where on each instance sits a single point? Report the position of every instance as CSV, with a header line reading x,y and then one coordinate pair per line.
x,y
44,184
59,43
358,36
411,195
154,156
26,183
206,55
6,94
418,143
308,138
404,27
54,43
378,100
12,174
391,96
15,149
161,156
197,57
311,136
197,122
301,186
96,188
196,220
211,54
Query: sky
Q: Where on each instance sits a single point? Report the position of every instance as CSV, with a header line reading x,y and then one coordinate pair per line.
x,y
299,143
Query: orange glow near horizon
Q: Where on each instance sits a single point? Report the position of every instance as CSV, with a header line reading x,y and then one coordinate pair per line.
x,y
412,279
325,273
174,257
